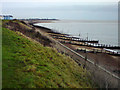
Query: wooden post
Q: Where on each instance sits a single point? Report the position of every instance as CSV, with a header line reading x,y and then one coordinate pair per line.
x,y
113,52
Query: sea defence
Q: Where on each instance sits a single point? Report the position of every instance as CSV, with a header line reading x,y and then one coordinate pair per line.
x,y
89,43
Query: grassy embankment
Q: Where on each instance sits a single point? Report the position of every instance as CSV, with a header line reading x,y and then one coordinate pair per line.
x,y
28,64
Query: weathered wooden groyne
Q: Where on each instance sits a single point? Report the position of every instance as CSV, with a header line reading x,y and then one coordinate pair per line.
x,y
76,39
110,52
92,45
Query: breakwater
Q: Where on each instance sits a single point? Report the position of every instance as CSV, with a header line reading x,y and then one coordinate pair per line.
x,y
89,43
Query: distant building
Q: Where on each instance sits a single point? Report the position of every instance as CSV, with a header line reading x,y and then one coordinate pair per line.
x,y
6,17
1,17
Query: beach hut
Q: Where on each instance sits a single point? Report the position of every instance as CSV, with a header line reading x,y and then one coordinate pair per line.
x,y
1,17
10,17
6,17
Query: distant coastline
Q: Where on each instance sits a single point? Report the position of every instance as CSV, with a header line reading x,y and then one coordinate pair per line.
x,y
89,21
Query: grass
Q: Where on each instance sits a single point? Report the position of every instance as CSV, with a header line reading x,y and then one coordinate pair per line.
x,y
27,64
20,23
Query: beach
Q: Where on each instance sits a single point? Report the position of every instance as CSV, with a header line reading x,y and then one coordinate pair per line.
x,y
105,59
108,61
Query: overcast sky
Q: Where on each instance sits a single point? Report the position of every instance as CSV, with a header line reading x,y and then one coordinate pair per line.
x,y
59,0
62,9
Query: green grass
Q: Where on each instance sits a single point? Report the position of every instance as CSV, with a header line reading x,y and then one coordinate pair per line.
x,y
27,64
24,25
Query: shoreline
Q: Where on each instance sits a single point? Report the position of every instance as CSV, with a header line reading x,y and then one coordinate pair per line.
x,y
96,31
74,46
106,61
109,48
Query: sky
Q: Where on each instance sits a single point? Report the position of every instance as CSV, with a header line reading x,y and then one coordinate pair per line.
x,y
59,0
62,9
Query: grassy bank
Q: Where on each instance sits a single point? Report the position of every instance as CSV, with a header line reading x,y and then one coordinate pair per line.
x,y
28,64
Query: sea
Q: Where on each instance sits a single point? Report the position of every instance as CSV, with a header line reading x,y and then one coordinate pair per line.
x,y
104,31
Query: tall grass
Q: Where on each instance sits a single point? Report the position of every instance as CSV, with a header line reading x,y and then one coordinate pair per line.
x,y
27,64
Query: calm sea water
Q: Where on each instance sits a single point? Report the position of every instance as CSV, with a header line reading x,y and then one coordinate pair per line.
x,y
106,32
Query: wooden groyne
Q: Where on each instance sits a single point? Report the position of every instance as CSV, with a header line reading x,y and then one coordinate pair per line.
x,y
110,52
71,38
75,39
65,38
92,45
58,34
